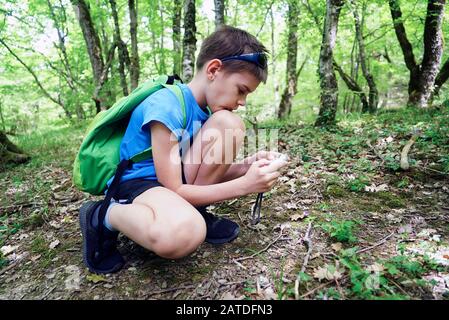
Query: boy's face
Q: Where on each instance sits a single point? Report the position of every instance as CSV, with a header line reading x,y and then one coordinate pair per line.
x,y
228,91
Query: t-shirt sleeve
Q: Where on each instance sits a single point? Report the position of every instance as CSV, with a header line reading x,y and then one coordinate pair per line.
x,y
163,106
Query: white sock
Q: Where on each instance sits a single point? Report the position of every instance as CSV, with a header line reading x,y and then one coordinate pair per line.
x,y
106,217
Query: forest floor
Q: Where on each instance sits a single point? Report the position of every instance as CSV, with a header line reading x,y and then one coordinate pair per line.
x,y
344,222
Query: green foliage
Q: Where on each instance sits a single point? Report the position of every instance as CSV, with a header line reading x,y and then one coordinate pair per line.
x,y
341,230
358,184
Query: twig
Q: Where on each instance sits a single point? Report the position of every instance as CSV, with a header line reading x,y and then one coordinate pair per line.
x,y
240,265
433,170
171,290
399,287
308,243
339,289
321,286
381,242
263,250
48,292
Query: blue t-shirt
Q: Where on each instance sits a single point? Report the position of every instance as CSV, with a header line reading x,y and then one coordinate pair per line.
x,y
162,106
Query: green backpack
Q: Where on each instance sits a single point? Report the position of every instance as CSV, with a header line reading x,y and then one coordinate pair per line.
x,y
98,158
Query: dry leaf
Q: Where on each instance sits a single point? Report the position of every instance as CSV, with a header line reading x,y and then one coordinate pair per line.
x,y
54,244
376,267
373,188
336,246
329,272
8,249
299,216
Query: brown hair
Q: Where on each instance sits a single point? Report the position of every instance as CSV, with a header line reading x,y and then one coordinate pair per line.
x,y
228,41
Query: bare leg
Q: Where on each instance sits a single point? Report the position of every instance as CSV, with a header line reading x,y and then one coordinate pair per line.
x,y
214,148
161,221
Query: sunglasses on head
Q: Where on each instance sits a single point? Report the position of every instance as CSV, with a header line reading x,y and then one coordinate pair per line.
x,y
258,58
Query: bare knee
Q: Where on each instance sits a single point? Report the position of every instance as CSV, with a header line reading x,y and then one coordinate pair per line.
x,y
179,238
228,120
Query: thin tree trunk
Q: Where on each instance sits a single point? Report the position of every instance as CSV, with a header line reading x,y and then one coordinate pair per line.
x,y
134,67
99,69
292,53
123,55
219,13
176,37
1,117
373,92
441,78
273,64
161,46
189,41
422,77
328,81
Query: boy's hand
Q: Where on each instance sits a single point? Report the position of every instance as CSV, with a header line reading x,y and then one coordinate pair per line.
x,y
262,175
262,154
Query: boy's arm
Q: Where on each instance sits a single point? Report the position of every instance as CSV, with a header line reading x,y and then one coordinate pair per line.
x,y
168,168
236,170
240,168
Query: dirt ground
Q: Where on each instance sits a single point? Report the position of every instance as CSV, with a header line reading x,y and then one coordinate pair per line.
x,y
45,259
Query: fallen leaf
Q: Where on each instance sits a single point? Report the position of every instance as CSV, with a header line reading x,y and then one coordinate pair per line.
x,y
291,205
54,244
374,188
376,267
298,216
8,249
337,246
95,278
329,272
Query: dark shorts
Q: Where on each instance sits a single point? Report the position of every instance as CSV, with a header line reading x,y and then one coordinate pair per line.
x,y
131,189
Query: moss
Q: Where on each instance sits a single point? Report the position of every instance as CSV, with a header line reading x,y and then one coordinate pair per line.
x,y
390,199
335,191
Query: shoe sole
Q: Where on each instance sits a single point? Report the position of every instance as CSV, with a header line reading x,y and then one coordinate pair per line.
x,y
84,217
224,240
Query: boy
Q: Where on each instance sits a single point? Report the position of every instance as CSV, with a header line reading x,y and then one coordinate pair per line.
x,y
161,201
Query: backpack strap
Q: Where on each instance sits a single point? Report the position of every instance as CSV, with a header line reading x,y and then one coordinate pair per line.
x,y
148,153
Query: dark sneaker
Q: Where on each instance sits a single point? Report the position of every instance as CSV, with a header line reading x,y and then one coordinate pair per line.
x,y
98,257
219,230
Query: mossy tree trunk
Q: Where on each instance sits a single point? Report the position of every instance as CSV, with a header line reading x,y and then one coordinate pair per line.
x,y
9,152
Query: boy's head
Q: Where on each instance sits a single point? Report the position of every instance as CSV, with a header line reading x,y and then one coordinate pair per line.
x,y
234,63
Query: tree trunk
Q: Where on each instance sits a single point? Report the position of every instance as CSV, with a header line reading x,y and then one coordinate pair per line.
x,y
123,55
189,41
134,67
161,46
373,93
328,81
66,73
292,53
219,13
273,64
422,77
441,78
177,14
433,51
99,68
9,152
